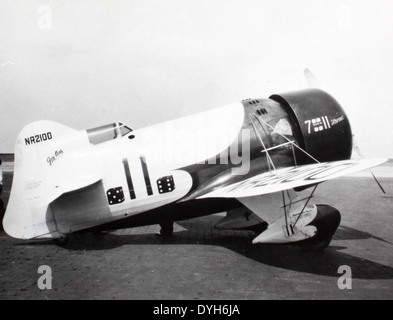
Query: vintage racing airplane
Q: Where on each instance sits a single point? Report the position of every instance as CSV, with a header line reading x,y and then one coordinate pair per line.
x,y
259,160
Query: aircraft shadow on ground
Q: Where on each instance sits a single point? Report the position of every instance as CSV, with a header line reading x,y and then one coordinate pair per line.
x,y
200,231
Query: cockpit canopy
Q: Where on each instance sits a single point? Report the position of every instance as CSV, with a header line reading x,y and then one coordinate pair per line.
x,y
108,132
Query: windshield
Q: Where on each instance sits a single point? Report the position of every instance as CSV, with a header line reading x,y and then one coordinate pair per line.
x,y
108,132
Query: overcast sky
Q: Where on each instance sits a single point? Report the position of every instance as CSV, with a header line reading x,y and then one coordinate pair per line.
x,y
91,62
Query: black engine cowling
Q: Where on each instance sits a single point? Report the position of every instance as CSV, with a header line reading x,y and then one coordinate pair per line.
x,y
324,126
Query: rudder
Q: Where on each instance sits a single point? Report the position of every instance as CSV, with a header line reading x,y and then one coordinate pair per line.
x,y
39,166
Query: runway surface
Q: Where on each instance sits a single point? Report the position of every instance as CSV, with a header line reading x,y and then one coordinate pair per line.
x,y
199,262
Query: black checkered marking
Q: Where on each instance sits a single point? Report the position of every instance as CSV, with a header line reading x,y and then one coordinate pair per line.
x,y
166,184
115,195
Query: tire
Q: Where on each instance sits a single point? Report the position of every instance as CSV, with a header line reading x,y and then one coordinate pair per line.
x,y
166,229
61,241
326,221
316,247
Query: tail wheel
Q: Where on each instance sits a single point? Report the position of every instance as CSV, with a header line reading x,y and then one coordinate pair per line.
x,y
166,229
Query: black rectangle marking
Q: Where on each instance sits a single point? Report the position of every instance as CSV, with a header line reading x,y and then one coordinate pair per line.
x,y
128,177
146,175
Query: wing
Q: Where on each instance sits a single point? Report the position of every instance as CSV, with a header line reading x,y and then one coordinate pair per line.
x,y
292,177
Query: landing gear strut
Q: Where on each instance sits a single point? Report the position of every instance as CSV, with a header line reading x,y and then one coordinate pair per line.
x,y
166,229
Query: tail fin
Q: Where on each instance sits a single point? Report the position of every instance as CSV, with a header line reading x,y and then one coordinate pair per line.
x,y
40,167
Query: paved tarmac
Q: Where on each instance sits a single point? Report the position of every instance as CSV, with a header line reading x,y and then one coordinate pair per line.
x,y
199,262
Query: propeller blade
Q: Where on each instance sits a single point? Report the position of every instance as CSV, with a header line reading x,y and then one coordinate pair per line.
x,y
356,147
311,80
357,150
376,180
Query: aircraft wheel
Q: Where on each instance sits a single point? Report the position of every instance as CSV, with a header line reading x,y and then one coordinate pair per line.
x,y
327,221
61,241
166,229
100,233
317,247
259,228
